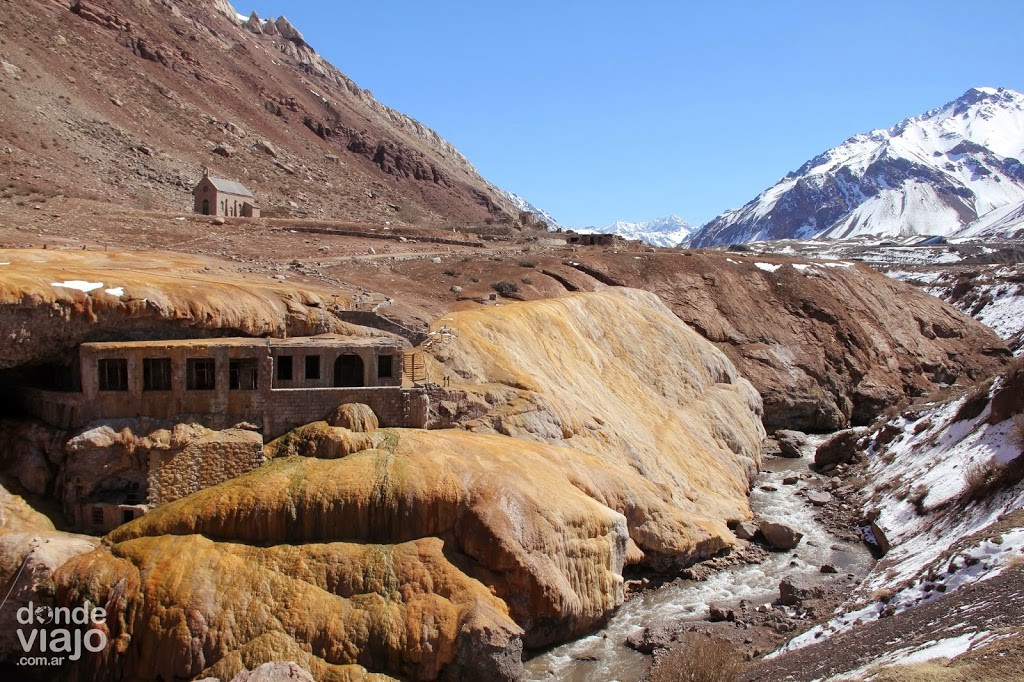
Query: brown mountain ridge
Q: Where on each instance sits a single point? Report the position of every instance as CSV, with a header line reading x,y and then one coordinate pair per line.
x,y
127,101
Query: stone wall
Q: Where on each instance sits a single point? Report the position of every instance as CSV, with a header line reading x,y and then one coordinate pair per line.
x,y
396,407
218,457
366,318
277,410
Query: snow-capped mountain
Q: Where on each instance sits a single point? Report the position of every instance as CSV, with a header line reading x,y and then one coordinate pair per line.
x,y
669,231
933,174
1006,222
524,205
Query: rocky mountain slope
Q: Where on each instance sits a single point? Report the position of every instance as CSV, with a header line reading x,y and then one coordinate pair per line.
x,y
821,341
933,174
1006,222
944,484
670,231
126,101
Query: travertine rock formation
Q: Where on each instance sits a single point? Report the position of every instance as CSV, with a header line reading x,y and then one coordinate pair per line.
x,y
426,553
44,308
30,551
194,607
355,417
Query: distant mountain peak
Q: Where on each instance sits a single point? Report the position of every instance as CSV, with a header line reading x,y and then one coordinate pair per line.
x,y
931,174
668,231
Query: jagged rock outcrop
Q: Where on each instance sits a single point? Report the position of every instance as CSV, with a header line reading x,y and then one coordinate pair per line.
x,y
45,310
825,343
254,24
288,32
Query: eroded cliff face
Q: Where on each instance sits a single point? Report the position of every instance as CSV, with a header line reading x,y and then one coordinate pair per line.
x,y
421,554
51,301
826,343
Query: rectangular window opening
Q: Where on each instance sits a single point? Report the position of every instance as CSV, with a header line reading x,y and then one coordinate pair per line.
x,y
242,374
312,366
200,374
97,516
156,374
284,368
384,367
113,374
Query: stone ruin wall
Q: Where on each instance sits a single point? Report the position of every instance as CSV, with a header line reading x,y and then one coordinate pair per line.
x,y
394,407
217,458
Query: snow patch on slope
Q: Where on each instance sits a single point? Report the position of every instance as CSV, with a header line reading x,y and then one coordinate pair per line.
x,y
917,482
1006,222
80,285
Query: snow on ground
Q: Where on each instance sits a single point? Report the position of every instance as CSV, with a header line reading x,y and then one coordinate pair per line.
x,y
948,648
923,277
925,469
1005,314
767,267
115,291
79,284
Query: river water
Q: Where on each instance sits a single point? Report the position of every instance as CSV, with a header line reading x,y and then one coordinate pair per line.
x,y
604,654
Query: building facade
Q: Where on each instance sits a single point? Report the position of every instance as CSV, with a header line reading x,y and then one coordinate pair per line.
x,y
220,197
275,384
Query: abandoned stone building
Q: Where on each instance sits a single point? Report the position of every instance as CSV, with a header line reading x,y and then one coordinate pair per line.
x,y
590,239
220,197
276,384
268,386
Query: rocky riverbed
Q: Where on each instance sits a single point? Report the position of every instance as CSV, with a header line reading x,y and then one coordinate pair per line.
x,y
735,596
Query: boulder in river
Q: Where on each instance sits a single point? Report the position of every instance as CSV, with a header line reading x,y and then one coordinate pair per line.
x,y
840,448
745,530
791,443
647,640
780,536
718,613
818,497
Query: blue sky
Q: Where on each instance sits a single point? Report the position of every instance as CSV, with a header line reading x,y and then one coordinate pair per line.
x,y
600,111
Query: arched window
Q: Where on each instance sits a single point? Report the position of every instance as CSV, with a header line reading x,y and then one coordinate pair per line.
x,y
348,371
